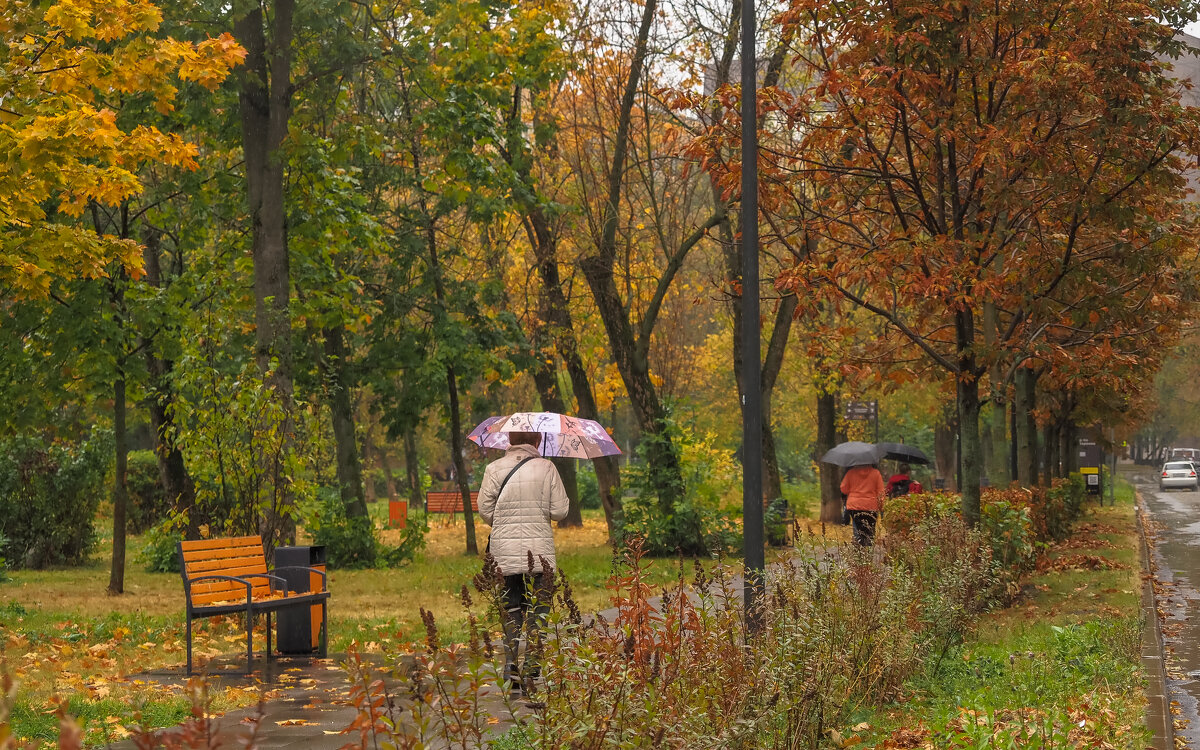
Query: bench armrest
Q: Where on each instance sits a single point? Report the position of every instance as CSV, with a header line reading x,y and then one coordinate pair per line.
x,y
324,578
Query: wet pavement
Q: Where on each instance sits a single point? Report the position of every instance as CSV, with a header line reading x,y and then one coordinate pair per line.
x,y
1172,525
307,703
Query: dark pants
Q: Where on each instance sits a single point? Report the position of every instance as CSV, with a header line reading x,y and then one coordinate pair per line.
x,y
526,604
864,526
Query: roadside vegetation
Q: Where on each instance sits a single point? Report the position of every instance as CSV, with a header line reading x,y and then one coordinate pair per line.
x,y
1060,668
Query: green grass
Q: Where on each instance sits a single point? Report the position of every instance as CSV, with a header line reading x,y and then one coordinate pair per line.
x,y
94,717
1068,651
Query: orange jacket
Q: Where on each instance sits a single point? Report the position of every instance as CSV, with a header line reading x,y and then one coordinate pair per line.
x,y
863,488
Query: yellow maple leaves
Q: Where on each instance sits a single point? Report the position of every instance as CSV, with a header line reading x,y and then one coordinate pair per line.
x,y
68,68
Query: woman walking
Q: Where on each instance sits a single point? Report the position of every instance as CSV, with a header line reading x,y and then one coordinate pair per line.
x,y
863,488
520,496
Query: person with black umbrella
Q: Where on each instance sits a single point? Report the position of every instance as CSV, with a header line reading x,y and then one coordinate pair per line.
x,y
902,483
863,488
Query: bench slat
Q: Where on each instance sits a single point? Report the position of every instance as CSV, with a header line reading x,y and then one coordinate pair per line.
x,y
219,587
244,564
237,541
227,596
223,553
247,573
447,501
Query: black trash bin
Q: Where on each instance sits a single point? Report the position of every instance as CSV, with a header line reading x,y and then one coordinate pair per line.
x,y
299,628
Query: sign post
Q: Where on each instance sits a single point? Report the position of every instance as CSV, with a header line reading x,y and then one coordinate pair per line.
x,y
863,410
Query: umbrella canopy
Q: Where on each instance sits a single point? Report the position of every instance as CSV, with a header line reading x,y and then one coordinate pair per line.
x,y
852,453
562,436
909,454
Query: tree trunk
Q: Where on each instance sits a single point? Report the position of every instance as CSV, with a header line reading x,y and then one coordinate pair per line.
x,y
998,471
544,242
1026,437
265,108
460,467
662,456
945,447
341,409
970,448
1052,444
116,579
1070,439
968,410
772,364
732,255
608,476
546,380
412,472
830,475
1030,414
369,493
172,471
996,444
985,447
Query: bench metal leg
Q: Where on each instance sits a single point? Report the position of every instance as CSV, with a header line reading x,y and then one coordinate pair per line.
x,y
189,645
249,642
269,651
324,628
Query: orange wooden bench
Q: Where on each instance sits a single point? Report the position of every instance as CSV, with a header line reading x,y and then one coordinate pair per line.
x,y
229,576
448,501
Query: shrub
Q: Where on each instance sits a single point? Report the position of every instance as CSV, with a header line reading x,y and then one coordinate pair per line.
x,y
589,486
697,522
1055,509
148,502
349,542
1005,517
355,542
412,541
161,551
903,514
49,492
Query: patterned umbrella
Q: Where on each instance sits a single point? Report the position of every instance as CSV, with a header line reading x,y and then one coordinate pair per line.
x,y
562,436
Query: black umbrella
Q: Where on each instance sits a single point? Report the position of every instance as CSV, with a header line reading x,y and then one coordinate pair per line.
x,y
909,454
852,453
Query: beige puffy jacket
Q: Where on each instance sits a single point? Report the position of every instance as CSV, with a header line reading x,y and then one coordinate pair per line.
x,y
520,518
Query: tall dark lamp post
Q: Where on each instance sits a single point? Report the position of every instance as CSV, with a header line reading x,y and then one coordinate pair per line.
x,y
752,496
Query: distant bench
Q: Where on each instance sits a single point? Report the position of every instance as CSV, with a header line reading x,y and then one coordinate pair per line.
x,y
446,501
229,576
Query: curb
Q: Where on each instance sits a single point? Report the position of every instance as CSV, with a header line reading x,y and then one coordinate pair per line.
x,y
1158,703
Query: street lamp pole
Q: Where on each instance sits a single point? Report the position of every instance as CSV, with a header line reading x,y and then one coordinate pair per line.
x,y
752,495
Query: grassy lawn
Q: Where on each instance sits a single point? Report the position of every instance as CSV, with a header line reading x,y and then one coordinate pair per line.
x,y
1058,668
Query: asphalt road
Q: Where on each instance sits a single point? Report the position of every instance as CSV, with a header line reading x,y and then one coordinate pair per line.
x,y
1173,526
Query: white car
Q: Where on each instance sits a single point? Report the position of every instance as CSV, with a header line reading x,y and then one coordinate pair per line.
x,y
1178,475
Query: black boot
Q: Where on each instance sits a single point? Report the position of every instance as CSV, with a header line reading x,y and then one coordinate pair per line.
x,y
512,646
